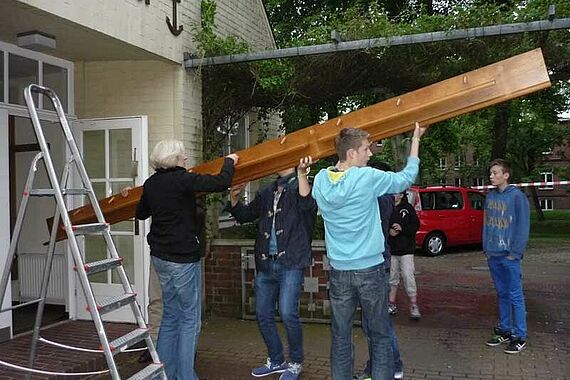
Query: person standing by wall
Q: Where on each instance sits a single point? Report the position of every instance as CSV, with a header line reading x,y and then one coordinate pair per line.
x,y
505,236
347,198
404,224
286,215
169,197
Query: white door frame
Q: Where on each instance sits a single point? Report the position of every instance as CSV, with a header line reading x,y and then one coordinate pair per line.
x,y
6,317
142,251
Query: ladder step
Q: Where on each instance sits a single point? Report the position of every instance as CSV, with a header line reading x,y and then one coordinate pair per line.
x,y
152,371
113,303
101,265
90,229
126,340
51,192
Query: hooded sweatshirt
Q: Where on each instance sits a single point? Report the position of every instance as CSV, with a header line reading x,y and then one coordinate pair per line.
x,y
348,203
507,223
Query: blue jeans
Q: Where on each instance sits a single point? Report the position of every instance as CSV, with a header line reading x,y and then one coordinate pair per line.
x,y
279,283
398,364
506,275
348,289
181,319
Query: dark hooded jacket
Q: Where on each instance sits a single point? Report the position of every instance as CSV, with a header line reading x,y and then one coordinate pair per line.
x,y
294,220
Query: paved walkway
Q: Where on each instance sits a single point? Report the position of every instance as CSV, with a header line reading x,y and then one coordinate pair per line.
x,y
458,307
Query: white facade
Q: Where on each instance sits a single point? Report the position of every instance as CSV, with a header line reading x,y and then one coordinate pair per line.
x,y
122,59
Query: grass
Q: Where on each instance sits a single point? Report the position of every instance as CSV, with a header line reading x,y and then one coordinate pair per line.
x,y
555,227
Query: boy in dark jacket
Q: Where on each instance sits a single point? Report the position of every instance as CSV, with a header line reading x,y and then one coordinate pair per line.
x,y
505,235
286,214
404,224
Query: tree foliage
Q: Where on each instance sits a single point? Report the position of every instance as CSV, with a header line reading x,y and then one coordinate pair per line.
x,y
306,90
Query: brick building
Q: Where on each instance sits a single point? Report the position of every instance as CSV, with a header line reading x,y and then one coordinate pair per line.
x,y
117,66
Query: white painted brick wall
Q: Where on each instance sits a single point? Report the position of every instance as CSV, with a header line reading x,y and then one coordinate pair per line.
x,y
132,21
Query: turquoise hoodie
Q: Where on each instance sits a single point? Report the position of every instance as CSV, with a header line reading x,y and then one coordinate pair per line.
x,y
349,206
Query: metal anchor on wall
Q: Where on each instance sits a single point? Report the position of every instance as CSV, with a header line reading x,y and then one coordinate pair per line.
x,y
174,28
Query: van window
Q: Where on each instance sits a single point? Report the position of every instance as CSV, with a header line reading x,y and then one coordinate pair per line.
x,y
441,200
477,200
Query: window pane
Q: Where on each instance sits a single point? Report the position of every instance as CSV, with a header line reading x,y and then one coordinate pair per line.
x,y
449,200
21,73
477,200
125,249
95,250
120,147
127,225
1,76
94,153
56,78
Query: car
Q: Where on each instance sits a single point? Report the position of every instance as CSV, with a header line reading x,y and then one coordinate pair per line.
x,y
449,216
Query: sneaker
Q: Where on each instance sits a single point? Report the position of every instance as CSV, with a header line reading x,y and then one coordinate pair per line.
x,y
515,346
363,376
269,368
293,371
399,375
498,338
415,312
392,308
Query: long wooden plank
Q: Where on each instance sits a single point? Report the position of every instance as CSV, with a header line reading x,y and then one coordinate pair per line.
x,y
508,79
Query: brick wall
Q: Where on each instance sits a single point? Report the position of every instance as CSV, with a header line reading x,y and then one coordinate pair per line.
x,y
222,277
229,260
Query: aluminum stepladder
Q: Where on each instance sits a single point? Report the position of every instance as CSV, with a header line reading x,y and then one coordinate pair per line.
x,y
58,190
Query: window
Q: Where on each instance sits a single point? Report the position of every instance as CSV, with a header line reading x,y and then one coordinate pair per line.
x,y
546,177
22,71
477,200
55,77
21,67
458,162
479,181
442,163
546,204
458,181
441,200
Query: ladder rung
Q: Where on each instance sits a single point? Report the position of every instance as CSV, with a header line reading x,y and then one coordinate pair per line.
x,y
101,265
149,372
89,229
51,192
126,340
113,303
21,305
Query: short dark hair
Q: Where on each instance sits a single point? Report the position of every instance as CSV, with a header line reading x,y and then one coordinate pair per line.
x,y
504,164
349,138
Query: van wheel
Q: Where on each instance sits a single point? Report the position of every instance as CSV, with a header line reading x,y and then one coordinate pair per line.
x,y
434,244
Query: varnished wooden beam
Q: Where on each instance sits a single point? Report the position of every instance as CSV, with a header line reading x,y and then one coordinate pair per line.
x,y
508,79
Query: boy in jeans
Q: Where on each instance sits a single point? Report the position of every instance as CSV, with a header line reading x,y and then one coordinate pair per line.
x,y
505,235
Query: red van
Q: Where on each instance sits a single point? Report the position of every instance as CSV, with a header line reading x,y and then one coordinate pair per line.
x,y
449,216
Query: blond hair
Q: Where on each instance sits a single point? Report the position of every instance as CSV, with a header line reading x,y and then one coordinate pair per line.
x,y
166,153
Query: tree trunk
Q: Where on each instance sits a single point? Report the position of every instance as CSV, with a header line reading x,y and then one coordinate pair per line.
x,y
535,201
501,123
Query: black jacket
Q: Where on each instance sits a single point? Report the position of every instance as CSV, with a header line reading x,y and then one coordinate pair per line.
x,y
169,196
405,242
294,220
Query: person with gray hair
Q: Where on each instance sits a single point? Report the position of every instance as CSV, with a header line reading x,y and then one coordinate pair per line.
x,y
169,196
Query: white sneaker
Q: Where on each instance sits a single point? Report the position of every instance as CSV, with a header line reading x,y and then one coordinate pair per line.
x,y
415,312
399,375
